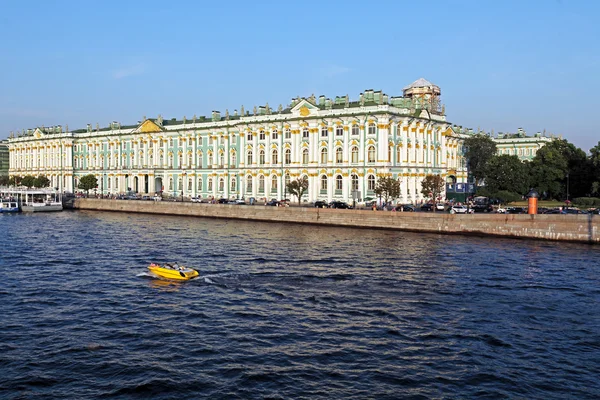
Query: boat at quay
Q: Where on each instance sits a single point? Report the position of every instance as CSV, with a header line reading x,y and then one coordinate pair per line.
x,y
35,200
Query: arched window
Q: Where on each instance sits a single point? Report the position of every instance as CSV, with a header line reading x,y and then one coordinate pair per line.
x,y
170,183
372,128
261,184
354,153
323,182
287,179
210,188
249,183
274,183
210,159
200,165
354,180
221,185
190,184
355,130
390,148
261,135
274,157
261,157
179,160
221,160
189,159
371,154
288,156
305,156
371,182
338,182
339,155
233,185
249,157
398,155
199,184
233,159
324,155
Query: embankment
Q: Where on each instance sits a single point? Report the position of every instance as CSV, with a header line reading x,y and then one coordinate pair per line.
x,y
571,228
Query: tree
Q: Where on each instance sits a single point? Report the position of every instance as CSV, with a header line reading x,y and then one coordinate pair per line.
x,y
432,186
41,182
88,182
4,180
14,180
387,188
28,181
297,188
507,173
480,148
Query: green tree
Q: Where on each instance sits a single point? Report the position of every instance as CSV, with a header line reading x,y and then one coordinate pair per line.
x,y
14,180
298,187
28,181
507,173
41,182
432,186
4,180
479,149
87,183
387,188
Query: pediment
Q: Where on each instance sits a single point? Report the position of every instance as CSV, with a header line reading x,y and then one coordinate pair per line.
x,y
38,133
149,126
304,109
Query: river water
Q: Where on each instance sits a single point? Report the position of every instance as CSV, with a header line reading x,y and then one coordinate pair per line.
x,y
285,311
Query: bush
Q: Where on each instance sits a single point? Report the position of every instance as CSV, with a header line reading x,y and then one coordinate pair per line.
x,y
586,201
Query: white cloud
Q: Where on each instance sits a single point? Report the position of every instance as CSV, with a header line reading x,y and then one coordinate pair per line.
x,y
129,71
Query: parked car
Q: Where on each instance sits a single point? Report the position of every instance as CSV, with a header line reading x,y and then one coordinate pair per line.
x,y
405,208
274,203
516,210
440,207
461,210
146,198
573,210
195,199
223,200
501,210
321,204
339,204
426,207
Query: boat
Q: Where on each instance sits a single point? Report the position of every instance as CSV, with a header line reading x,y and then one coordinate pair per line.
x,y
41,201
173,271
9,206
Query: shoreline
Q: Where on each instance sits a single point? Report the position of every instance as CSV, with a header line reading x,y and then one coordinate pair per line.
x,y
553,227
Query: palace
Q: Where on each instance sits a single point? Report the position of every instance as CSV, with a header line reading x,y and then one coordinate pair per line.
x,y
341,146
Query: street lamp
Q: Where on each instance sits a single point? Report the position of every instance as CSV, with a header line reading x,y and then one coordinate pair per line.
x,y
567,187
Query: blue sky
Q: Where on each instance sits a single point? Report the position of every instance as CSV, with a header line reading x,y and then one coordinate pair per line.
x,y
500,64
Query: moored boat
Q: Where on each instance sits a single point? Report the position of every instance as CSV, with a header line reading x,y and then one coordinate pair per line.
x,y
173,271
9,206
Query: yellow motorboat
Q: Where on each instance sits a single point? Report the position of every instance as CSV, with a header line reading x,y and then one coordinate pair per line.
x,y
173,271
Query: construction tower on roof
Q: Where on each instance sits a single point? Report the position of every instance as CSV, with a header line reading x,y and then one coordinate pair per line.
x,y
422,88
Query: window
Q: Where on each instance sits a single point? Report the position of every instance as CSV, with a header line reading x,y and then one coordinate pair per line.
x,y
339,155
287,179
210,184
274,157
199,184
210,159
323,182
171,142
371,182
249,184
288,133
249,136
199,140
274,183
221,160
261,184
305,133
170,183
233,185
200,160
274,135
221,185
305,156
233,159
249,157
210,140
190,184
338,182
398,155
323,156
288,156
354,153
189,159
261,157
261,135
324,131
390,149
372,129
354,180
371,154
339,131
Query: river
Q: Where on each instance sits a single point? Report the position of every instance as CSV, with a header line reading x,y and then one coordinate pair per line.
x,y
286,311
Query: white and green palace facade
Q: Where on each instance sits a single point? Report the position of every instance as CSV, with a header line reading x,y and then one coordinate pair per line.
x,y
341,146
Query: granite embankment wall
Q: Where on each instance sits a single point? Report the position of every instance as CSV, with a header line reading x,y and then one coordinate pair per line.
x,y
575,228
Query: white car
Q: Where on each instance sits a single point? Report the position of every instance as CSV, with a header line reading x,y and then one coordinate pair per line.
x,y
461,210
196,199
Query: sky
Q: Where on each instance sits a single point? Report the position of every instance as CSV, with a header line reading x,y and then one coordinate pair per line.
x,y
501,65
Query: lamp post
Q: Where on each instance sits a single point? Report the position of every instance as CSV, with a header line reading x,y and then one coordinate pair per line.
x,y
567,187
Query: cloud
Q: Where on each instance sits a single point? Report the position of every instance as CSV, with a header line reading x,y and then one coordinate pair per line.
x,y
331,70
131,70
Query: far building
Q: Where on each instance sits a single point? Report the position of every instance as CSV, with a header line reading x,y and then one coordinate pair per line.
x,y
521,145
4,158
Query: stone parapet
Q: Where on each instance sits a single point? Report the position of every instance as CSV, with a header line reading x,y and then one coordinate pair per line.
x,y
570,228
